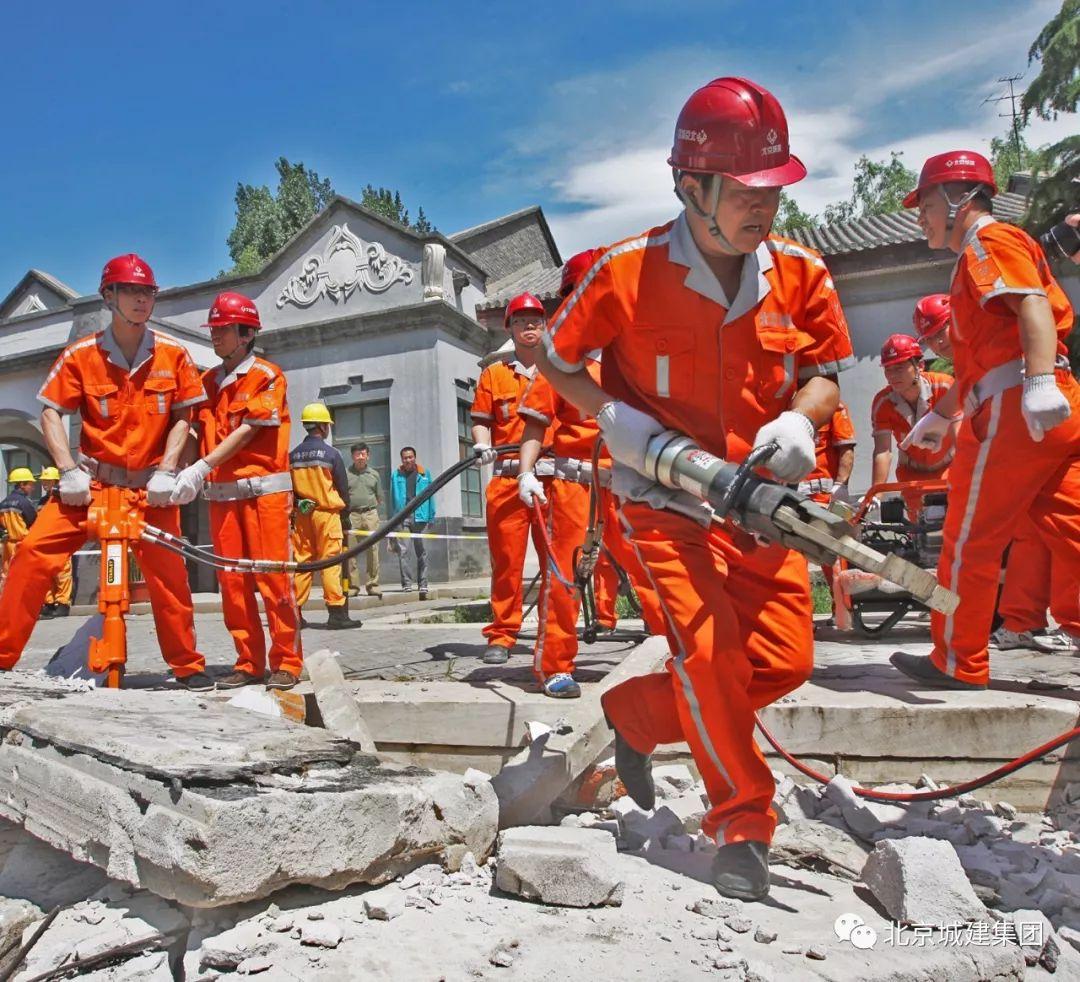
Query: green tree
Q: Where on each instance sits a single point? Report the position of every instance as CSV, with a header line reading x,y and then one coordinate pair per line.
x,y
790,216
266,221
422,225
1010,154
878,189
1056,89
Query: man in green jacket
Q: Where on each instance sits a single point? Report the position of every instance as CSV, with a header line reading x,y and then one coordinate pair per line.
x,y
365,507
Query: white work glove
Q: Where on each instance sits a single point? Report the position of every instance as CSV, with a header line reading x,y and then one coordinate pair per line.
x,y
929,432
484,451
627,432
529,486
75,487
1044,406
872,511
159,489
189,483
796,435
840,492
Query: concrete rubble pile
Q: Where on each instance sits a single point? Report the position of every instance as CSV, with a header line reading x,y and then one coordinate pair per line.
x,y
133,843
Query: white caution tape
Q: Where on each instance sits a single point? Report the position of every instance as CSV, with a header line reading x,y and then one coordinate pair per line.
x,y
416,535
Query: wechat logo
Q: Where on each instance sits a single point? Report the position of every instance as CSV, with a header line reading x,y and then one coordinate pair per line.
x,y
851,927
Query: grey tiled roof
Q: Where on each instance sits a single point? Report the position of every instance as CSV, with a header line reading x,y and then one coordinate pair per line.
x,y
886,230
542,283
837,239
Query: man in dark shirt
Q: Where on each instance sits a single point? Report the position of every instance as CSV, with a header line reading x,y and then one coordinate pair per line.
x,y
365,497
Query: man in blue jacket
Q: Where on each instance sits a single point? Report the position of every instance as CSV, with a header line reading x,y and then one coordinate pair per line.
x,y
407,482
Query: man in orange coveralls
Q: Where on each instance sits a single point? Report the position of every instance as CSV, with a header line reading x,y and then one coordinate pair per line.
x,y
1018,452
1033,581
834,455
606,577
910,394
243,439
58,599
134,389
567,498
496,423
712,327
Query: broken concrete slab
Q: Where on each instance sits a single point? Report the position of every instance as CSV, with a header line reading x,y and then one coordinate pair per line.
x,y
920,881
531,781
810,844
340,712
561,866
223,806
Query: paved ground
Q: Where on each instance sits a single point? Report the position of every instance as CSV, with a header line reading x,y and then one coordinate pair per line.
x,y
399,642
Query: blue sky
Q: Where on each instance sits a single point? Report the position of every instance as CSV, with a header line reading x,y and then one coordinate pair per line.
x,y
129,124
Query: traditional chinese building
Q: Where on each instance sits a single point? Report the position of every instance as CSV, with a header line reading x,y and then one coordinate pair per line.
x,y
373,319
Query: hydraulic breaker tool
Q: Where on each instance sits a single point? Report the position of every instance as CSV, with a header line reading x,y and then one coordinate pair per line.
x,y
778,513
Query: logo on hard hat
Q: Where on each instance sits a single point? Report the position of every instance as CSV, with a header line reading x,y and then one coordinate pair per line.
x,y
137,270
694,136
960,162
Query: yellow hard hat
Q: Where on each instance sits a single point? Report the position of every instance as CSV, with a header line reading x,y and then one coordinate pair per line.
x,y
49,474
315,412
21,475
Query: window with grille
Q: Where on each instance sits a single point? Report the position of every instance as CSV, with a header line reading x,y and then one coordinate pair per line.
x,y
472,491
369,423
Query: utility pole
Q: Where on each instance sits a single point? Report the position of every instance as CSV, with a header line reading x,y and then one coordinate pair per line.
x,y
1012,97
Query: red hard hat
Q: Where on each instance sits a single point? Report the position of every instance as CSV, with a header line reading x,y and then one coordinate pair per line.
x,y
736,128
899,348
957,165
233,308
127,269
575,268
931,315
521,303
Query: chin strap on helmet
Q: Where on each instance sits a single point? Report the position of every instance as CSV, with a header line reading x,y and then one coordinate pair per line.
x,y
955,206
716,181
114,306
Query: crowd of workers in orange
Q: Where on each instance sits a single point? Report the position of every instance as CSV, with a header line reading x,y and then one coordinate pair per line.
x,y
710,326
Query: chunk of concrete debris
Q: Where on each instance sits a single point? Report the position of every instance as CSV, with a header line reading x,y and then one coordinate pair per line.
x,y
231,947
715,908
636,828
339,709
255,966
15,915
764,936
920,881
863,817
565,867
190,814
810,844
321,934
688,808
92,927
505,954
672,780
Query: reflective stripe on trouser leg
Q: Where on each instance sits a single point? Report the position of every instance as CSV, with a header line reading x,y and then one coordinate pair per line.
x,y
1001,475
170,596
677,666
508,526
239,608
557,642
970,505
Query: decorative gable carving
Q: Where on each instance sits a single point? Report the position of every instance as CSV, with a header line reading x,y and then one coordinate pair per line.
x,y
346,265
30,304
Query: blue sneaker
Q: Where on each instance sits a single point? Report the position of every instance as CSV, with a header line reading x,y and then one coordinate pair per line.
x,y
561,686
